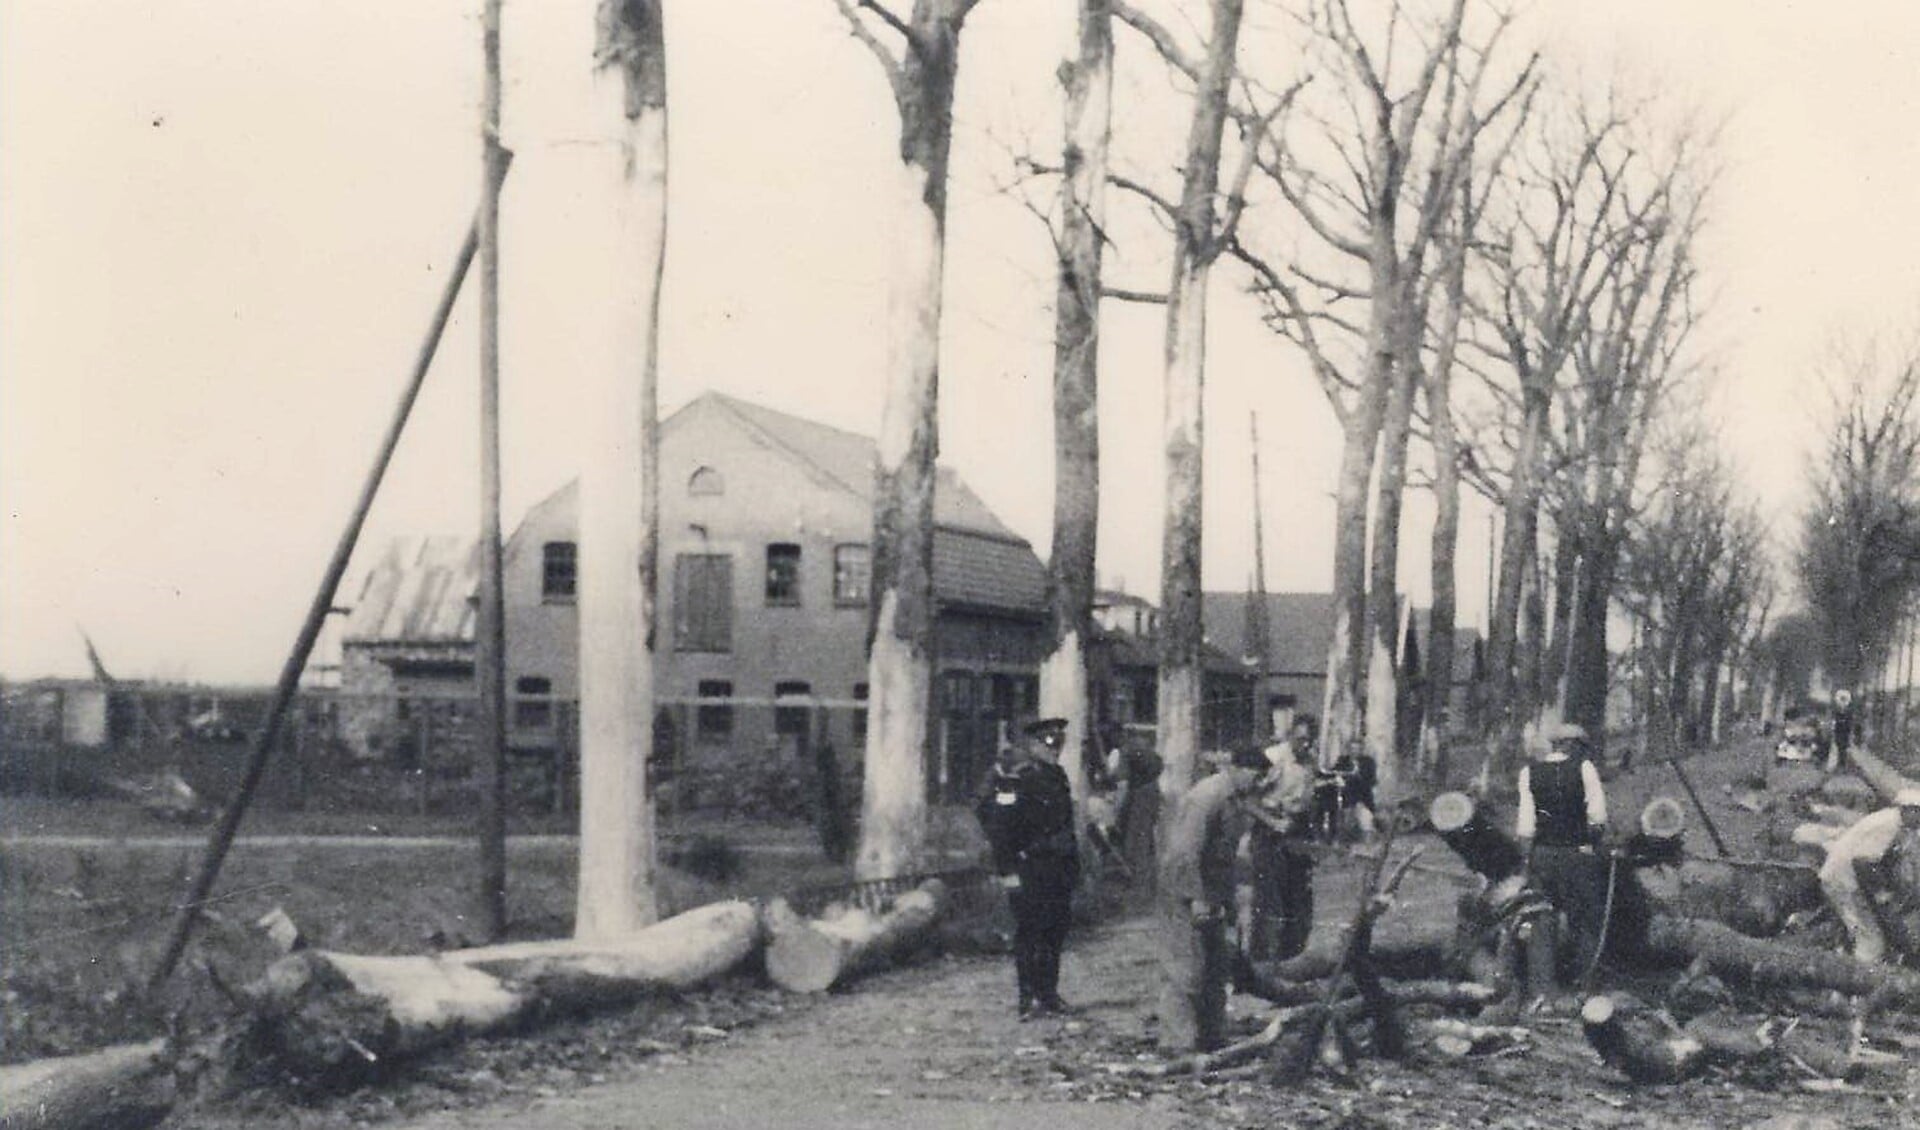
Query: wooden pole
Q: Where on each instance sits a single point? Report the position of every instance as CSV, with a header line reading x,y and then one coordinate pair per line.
x,y
1713,832
263,741
490,650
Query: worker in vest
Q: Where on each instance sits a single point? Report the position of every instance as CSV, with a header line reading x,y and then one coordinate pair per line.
x,y
1876,859
1196,896
1027,814
1561,827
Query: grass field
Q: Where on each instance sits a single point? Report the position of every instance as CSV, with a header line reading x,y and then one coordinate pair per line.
x,y
80,924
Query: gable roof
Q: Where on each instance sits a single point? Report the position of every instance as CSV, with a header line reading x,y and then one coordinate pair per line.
x,y
848,459
1299,628
417,592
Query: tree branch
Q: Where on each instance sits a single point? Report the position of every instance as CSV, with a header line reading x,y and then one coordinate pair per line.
x,y
860,31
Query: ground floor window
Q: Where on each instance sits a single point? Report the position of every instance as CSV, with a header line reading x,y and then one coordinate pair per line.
x,y
714,720
533,703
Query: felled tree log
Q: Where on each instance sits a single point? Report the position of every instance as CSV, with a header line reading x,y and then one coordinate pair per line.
x,y
1729,953
122,1088
317,1014
1850,791
812,956
1639,1049
1458,1038
1885,779
1465,828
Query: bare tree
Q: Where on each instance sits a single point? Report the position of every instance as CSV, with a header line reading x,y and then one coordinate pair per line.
x,y
1565,227
1858,559
1088,80
1201,231
893,811
1372,176
1626,368
619,486
1693,576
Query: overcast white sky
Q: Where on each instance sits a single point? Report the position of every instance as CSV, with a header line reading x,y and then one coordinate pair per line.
x,y
223,225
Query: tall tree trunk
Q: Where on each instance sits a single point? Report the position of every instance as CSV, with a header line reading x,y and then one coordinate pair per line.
x,y
1586,699
1566,586
619,487
1446,503
1383,596
1194,250
893,813
490,640
1076,392
1516,559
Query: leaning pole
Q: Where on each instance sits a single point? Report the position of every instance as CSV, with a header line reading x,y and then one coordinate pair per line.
x,y
263,742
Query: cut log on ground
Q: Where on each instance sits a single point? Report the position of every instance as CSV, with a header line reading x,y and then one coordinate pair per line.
x,y
1639,1048
1465,827
1885,779
1458,1039
1733,955
812,956
122,1088
1850,791
322,1016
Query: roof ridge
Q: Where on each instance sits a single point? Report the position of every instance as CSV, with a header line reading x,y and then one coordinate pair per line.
x,y
740,410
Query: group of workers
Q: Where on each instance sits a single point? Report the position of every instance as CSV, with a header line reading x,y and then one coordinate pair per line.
x,y
1268,804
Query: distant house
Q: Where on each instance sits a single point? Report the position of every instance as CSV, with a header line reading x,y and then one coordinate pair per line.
x,y
761,616
406,650
1299,636
1124,673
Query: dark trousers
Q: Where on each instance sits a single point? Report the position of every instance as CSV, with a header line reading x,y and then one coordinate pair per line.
x,y
1282,912
1193,982
1042,911
1575,882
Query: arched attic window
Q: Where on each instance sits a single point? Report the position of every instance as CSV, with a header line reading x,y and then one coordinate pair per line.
x,y
706,481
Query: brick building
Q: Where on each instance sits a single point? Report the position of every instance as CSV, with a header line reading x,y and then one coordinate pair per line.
x,y
761,618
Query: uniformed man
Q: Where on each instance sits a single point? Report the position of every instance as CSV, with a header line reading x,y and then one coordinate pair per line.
x,y
1027,813
1196,899
1561,827
1877,857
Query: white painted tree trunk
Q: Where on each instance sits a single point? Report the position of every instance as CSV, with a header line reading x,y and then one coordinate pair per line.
x,y
1178,712
893,813
1064,691
618,483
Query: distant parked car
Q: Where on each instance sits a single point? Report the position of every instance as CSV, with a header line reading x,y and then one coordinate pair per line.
x,y
1799,741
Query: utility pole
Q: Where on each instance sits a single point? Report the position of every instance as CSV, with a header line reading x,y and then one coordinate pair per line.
x,y
490,628
1258,633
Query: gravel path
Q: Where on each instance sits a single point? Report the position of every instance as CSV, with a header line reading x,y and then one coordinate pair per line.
x,y
937,1047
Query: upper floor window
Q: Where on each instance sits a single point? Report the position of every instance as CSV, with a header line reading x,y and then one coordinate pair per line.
x,y
703,602
783,573
852,574
706,481
559,571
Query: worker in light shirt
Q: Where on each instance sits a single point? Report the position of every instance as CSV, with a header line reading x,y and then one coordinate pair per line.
x,y
1877,858
1561,827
